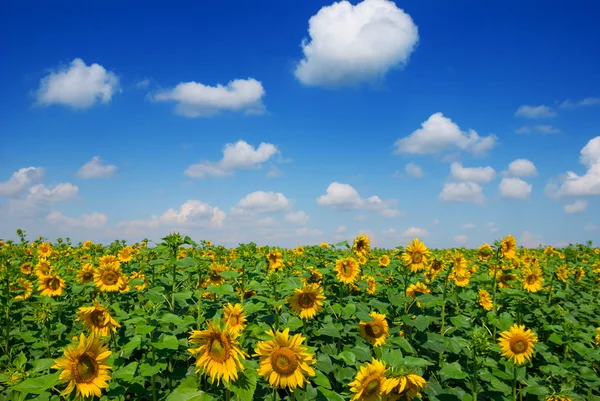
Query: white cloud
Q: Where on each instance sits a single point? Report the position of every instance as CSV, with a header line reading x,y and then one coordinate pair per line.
x,y
542,111
267,222
274,171
521,168
235,156
572,184
89,221
590,101
340,229
439,134
468,226
20,179
350,44
515,188
413,232
591,227
264,202
344,196
461,239
59,193
194,212
540,129
143,84
96,169
194,99
413,170
479,175
79,85
530,240
300,217
576,207
462,192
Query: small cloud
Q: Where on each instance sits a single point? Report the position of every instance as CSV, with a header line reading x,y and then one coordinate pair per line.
x,y
576,207
413,170
468,226
90,221
589,101
536,112
340,229
96,169
521,168
480,175
590,227
415,232
274,172
539,129
469,192
345,197
530,240
461,239
143,84
264,202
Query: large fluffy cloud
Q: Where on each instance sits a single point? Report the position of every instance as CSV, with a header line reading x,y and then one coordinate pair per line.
x,y
235,156
515,188
344,196
264,202
354,43
78,85
439,134
194,99
20,180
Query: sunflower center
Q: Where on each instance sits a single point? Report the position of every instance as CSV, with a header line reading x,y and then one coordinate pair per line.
x,y
86,369
284,361
417,257
531,279
347,270
220,349
233,320
110,278
54,284
374,329
518,346
98,318
372,386
306,301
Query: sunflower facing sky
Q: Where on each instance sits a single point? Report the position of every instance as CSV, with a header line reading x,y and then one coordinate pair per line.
x,y
416,255
217,353
375,331
284,362
517,344
347,270
369,382
84,367
307,301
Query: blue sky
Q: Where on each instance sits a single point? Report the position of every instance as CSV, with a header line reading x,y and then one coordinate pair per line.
x,y
398,119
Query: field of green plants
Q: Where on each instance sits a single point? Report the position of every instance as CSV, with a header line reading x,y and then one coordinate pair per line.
x,y
181,320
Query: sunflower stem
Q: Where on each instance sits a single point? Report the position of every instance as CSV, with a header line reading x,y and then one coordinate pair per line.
x,y
515,383
7,317
444,301
274,394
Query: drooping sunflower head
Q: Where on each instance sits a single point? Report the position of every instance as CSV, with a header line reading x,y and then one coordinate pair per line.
x,y
508,247
108,277
307,301
362,245
97,320
284,361
217,353
52,285
485,300
406,386
347,270
504,279
597,338
419,287
369,382
234,317
84,367
85,274
416,255
517,344
562,273
384,261
375,331
23,289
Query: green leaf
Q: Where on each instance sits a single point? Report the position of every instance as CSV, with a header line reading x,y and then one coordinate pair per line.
x,y
20,360
132,345
452,371
347,357
127,373
42,364
330,395
321,380
229,274
393,358
188,391
143,329
169,341
169,318
148,370
536,390
324,363
348,311
364,317
416,362
37,385
329,330
245,386
294,323
462,322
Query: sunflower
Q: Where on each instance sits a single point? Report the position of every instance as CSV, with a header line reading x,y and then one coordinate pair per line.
x,y
362,245
580,274
109,277
384,261
324,245
87,244
557,398
369,382
299,250
284,361
484,252
97,320
508,247
52,285
405,387
532,279
275,260
85,274
218,353
485,300
307,301
597,339
214,277
234,317
24,287
435,268
371,285
109,260
125,254
461,277
562,273
43,268
84,367
26,268
416,255
504,279
412,289
44,250
347,270
315,276
362,259
139,274
124,287
517,343
375,331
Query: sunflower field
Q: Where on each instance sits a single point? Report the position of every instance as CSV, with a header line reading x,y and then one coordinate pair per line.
x,y
182,320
